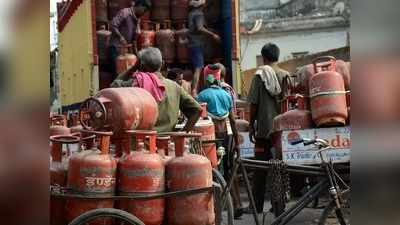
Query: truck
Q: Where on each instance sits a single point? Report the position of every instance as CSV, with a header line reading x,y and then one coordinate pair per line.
x,y
79,69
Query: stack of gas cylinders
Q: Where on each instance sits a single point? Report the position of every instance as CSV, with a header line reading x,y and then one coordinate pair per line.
x,y
154,164
318,97
158,28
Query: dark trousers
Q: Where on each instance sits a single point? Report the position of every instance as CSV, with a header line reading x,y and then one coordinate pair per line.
x,y
263,153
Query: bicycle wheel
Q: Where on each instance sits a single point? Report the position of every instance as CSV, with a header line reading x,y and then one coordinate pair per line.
x,y
106,213
228,219
332,215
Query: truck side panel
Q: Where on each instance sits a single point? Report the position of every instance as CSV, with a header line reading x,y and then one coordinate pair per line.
x,y
77,56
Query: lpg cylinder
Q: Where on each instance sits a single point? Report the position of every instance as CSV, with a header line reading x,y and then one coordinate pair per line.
x,y
76,126
103,42
125,60
147,36
58,125
142,172
189,171
163,143
119,109
101,10
181,44
328,96
291,119
179,10
242,125
160,10
92,173
305,73
294,119
165,41
205,126
58,176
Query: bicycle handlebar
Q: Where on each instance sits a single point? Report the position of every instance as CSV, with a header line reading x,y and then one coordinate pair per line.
x,y
320,142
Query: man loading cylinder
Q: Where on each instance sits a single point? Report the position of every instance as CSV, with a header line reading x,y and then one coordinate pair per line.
x,y
125,27
197,30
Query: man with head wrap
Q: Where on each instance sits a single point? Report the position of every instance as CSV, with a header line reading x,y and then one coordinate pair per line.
x,y
197,29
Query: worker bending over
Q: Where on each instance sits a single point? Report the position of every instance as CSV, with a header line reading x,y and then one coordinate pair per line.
x,y
169,95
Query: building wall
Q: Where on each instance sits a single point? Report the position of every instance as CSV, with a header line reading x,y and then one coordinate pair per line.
x,y
312,41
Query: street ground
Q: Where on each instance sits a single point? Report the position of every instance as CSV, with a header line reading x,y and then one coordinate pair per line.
x,y
308,216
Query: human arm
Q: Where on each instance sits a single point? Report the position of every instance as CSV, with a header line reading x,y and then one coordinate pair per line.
x,y
124,79
253,115
235,132
199,22
116,23
253,99
190,108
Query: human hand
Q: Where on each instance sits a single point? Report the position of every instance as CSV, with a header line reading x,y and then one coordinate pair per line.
x,y
252,134
123,41
216,38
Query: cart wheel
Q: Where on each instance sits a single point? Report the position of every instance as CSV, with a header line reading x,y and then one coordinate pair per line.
x,y
330,214
225,219
106,213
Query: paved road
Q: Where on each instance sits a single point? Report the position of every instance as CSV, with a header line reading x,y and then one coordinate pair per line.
x,y
309,216
306,217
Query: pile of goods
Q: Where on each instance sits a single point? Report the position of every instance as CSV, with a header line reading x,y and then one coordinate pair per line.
x,y
164,27
319,98
155,164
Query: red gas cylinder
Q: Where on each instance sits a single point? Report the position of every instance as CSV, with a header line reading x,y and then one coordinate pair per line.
x,y
165,41
142,172
91,172
305,73
101,10
160,10
242,125
125,60
181,44
58,176
103,42
294,117
118,110
205,126
58,125
179,10
163,144
147,36
76,126
188,171
328,96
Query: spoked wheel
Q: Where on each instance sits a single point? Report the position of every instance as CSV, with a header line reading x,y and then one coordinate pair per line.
x,y
225,218
332,215
106,216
